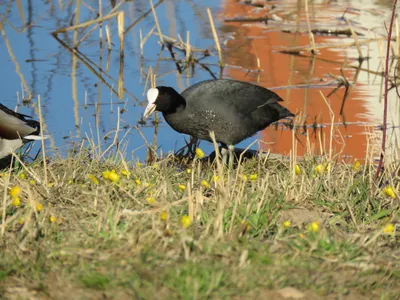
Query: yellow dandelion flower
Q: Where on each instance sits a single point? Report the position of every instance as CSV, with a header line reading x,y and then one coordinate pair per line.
x,y
70,181
15,191
38,206
182,187
139,164
320,169
51,184
389,228
138,182
297,170
164,215
21,221
125,172
52,219
388,191
113,176
313,227
16,202
93,178
106,174
186,221
22,176
244,177
199,153
151,200
32,182
215,178
253,177
356,165
287,224
188,170
156,165
205,184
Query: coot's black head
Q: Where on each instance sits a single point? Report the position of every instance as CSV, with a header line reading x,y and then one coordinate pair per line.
x,y
163,99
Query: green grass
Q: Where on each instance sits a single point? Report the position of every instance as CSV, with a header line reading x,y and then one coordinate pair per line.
x,y
107,239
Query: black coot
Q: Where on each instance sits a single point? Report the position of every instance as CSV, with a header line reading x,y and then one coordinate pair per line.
x,y
234,110
15,130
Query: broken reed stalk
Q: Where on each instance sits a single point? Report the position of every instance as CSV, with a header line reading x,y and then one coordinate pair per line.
x,y
389,37
120,22
188,46
76,21
214,32
311,35
21,12
354,34
43,149
108,37
156,21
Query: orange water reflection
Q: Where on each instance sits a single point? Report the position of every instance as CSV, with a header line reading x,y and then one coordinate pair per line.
x,y
252,40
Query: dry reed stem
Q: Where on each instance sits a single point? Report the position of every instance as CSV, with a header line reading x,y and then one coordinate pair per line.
x,y
5,14
75,97
43,148
115,140
7,182
21,11
310,34
222,192
88,63
144,40
143,16
108,38
188,46
397,38
85,24
156,21
76,20
326,45
214,32
355,37
120,23
386,86
180,45
17,66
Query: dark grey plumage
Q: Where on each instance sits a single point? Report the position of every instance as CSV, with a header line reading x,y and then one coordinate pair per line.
x,y
234,110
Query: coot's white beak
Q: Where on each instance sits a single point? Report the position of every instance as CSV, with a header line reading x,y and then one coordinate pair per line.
x,y
149,110
152,95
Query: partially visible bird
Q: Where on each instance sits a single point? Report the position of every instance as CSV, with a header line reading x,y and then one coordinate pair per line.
x,y
15,130
233,110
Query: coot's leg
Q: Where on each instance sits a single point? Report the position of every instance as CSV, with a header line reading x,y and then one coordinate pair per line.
x,y
224,153
231,155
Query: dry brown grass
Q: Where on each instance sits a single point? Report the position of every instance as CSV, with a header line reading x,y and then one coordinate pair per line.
x,y
320,233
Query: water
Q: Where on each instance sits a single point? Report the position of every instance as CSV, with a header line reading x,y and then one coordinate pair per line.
x,y
77,101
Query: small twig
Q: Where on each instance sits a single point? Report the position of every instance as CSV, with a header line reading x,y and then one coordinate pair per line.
x,y
214,32
386,90
311,35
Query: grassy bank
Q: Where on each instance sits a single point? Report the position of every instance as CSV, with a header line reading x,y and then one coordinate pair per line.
x,y
168,230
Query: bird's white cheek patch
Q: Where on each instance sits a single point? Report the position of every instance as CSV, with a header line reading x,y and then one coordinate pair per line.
x,y
152,95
